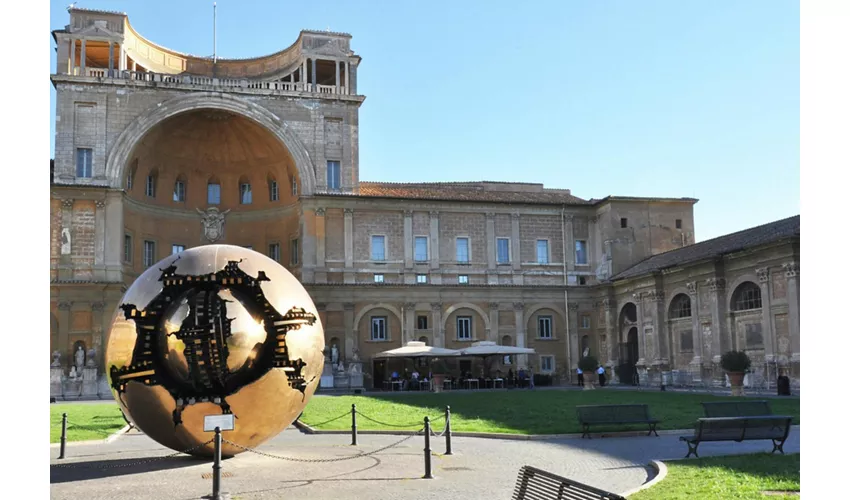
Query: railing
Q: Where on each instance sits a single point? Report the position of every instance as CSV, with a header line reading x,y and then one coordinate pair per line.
x,y
206,81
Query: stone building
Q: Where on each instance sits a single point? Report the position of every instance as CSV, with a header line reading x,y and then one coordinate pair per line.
x,y
157,151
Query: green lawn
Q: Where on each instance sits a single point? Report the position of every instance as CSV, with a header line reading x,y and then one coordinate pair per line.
x,y
99,421
519,411
738,477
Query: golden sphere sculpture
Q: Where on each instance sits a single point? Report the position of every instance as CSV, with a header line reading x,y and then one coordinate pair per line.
x,y
213,330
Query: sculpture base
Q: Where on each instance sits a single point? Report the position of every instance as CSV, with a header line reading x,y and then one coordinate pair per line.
x,y
72,388
89,389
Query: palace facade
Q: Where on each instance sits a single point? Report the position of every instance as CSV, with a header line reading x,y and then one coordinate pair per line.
x,y
157,151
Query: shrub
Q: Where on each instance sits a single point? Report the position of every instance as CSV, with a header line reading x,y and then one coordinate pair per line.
x,y
588,364
735,361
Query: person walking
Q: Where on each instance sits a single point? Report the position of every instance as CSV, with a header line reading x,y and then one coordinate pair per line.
x,y
580,377
601,372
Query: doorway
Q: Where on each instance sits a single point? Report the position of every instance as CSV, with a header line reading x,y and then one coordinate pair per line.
x,y
379,373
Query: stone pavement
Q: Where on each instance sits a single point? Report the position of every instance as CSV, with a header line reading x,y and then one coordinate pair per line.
x,y
480,468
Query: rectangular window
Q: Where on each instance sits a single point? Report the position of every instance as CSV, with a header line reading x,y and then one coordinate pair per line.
x,y
245,196
547,364
462,245
542,251
503,250
128,248
379,328
581,252
293,251
84,162
686,341
422,278
378,247
333,175
274,191
149,256
179,191
464,327
678,223
213,194
585,322
463,279
294,186
624,222
420,253
150,186
544,327
422,322
175,249
379,278
274,251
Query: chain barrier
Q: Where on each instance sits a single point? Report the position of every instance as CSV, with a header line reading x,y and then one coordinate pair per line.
x,y
130,464
326,460
394,425
92,429
445,428
346,414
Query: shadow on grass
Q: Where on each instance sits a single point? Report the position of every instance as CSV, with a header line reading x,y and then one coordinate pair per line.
x,y
99,469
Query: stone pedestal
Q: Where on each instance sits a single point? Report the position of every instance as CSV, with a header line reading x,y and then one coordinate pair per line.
x,y
56,377
341,380
103,389
327,380
72,388
355,375
89,388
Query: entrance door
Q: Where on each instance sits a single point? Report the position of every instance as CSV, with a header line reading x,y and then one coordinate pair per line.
x,y
629,358
465,366
379,373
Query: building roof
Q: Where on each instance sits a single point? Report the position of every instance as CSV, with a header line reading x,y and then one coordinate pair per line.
x,y
484,191
761,235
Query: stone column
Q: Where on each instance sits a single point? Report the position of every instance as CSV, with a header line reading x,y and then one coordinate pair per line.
x,y
434,247
516,255
408,241
696,361
519,321
314,82
98,337
490,235
437,327
72,55
611,334
348,230
303,76
66,267
351,331
122,58
83,57
642,361
570,250
111,57
659,319
792,274
347,81
493,333
320,275
768,336
409,309
336,76
575,349
592,241
113,234
63,316
717,296
99,234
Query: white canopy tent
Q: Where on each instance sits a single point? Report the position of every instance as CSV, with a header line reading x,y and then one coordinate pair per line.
x,y
486,348
416,349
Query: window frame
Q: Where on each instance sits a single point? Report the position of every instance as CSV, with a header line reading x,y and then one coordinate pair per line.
x,y
458,321
420,318
548,259
384,334
624,222
179,195
738,300
468,250
462,279
421,279
243,192
274,190
416,239
150,185
336,178
545,320
174,246
583,243
678,309
87,163
378,278
582,325
383,247
209,198
551,359
145,263
294,251
508,260
128,249
274,251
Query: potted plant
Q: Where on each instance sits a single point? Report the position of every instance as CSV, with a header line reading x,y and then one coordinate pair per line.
x,y
588,365
735,364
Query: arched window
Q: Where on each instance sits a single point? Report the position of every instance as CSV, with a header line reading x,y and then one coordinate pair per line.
x,y
274,189
680,307
131,174
245,197
213,192
180,189
150,184
747,296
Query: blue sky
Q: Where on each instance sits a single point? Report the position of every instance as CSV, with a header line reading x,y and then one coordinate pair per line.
x,y
674,98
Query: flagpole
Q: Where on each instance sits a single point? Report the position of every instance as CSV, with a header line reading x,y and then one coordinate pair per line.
x,y
215,58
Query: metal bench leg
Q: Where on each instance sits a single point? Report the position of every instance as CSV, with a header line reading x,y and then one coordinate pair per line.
x,y
585,432
777,445
652,429
692,448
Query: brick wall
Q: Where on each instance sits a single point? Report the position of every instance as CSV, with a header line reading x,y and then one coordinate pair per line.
x,y
457,224
389,224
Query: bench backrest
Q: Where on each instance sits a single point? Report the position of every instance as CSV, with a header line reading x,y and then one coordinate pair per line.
x,y
537,484
736,408
743,428
612,413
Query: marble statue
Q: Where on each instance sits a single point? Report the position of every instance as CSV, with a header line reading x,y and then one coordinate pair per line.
x,y
340,368
90,358
79,358
354,357
56,361
73,374
334,355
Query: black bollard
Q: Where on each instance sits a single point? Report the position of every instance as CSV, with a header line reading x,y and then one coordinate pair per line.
x,y
428,474
63,437
448,430
216,492
353,424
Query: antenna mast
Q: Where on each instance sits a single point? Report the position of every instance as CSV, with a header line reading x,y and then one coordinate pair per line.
x,y
215,58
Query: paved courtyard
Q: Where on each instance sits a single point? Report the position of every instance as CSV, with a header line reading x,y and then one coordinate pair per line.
x,y
480,468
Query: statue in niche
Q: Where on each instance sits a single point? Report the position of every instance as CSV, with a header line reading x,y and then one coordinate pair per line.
x,y
79,359
334,355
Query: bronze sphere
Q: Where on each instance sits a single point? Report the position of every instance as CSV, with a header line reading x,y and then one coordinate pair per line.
x,y
213,330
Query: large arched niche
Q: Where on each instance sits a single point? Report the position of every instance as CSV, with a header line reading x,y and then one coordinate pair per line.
x,y
120,155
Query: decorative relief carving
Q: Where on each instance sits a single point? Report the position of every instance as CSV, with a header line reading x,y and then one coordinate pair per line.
x,y
321,306
763,274
494,305
320,212
716,284
490,215
65,306
348,212
656,295
212,221
593,220
97,306
408,213
692,287
68,203
348,306
519,306
637,296
609,303
573,307
792,269
569,218
436,306
409,306
434,213
515,215
100,203
780,286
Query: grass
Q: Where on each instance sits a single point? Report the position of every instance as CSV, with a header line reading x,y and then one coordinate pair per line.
x,y
739,477
85,421
516,412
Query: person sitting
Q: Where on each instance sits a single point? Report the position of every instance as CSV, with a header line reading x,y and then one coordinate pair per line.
x,y
414,380
394,376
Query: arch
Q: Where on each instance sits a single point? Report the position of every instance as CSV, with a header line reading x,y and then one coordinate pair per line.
x,y
745,297
625,318
54,325
680,307
382,305
530,312
130,178
116,161
466,305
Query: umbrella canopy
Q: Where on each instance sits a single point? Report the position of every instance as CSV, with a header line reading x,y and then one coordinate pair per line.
x,y
494,349
417,349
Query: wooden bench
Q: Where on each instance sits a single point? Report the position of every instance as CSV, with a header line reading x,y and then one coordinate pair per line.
x,y
614,414
736,408
536,484
773,427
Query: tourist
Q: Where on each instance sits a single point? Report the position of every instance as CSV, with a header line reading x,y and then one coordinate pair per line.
x,y
580,377
783,384
601,372
511,381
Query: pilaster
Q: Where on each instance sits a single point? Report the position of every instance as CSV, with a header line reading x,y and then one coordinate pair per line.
x,y
570,251
434,247
321,275
792,274
696,361
642,361
352,337
516,255
768,335
493,332
408,240
575,351
717,295
348,234
409,309
519,321
438,327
